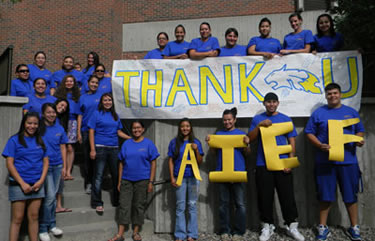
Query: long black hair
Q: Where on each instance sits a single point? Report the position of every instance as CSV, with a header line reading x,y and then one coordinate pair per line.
x,y
332,31
96,61
180,137
21,131
42,124
63,117
62,91
112,109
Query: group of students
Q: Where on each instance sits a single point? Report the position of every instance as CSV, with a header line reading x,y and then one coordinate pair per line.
x,y
298,41
72,106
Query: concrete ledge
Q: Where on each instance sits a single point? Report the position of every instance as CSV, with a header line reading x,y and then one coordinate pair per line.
x,y
13,100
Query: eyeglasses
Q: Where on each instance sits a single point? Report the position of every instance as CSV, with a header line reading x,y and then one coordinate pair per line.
x,y
23,71
162,38
100,70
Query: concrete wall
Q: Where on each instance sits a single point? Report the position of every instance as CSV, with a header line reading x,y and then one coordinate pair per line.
x,y
164,204
10,119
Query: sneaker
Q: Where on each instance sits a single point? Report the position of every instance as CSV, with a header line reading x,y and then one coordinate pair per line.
x,y
237,237
292,231
56,231
323,233
44,237
88,189
353,233
225,237
267,232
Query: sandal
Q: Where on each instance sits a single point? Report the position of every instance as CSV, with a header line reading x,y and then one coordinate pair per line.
x,y
117,237
190,239
63,210
136,237
99,209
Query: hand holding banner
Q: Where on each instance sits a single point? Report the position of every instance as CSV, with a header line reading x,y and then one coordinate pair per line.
x,y
272,151
337,138
227,143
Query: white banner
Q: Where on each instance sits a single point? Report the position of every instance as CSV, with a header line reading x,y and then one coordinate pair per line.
x,y
172,89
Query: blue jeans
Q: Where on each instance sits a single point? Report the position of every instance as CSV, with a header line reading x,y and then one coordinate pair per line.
x,y
189,187
47,214
87,162
235,191
104,155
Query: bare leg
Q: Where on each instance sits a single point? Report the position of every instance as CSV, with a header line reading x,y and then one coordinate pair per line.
x,y
352,209
18,210
69,159
58,201
32,215
324,208
121,229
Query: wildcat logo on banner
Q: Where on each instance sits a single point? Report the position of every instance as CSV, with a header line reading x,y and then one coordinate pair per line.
x,y
172,89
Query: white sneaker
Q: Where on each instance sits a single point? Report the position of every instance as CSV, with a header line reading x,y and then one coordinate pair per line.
x,y
44,237
267,232
56,231
88,189
292,231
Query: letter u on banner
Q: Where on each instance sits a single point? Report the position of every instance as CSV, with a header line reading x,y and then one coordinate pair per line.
x,y
337,138
227,143
193,162
272,151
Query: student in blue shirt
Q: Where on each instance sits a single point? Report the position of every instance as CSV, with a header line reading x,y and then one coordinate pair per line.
x,y
162,39
27,163
232,191
92,62
327,40
205,46
264,45
299,41
54,138
67,68
137,168
105,83
190,185
231,47
267,181
87,105
21,86
38,70
330,173
104,129
68,89
39,97
78,66
178,48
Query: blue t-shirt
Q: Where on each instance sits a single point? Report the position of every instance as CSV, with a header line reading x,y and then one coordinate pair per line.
x,y
21,88
239,159
58,76
35,104
53,137
210,44
137,157
154,54
105,128
177,162
73,107
237,50
280,140
35,73
318,126
27,160
88,73
269,45
328,43
105,86
175,48
88,103
298,40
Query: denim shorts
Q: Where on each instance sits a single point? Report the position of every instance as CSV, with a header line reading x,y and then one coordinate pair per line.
x,y
15,193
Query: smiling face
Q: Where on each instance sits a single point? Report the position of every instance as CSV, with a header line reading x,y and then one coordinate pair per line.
x,y
99,72
68,64
265,29
31,125
137,130
271,106
162,40
69,83
90,59
231,39
295,23
40,60
49,115
229,122
333,98
324,24
185,128
23,73
93,84
40,86
107,102
61,107
204,31
179,34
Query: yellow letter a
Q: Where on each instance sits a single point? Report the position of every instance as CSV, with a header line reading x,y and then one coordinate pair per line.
x,y
185,161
